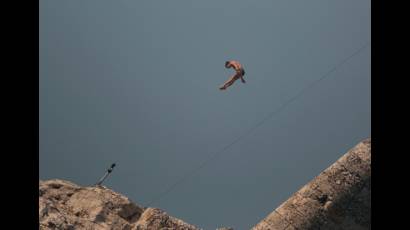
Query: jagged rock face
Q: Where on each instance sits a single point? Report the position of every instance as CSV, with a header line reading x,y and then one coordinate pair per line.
x,y
64,205
337,199
154,218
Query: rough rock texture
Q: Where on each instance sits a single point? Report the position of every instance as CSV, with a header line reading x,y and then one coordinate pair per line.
x,y
338,198
64,205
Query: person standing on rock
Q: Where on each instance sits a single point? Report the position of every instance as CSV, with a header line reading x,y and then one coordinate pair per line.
x,y
240,72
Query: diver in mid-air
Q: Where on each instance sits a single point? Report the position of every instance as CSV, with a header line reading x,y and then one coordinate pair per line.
x,y
239,74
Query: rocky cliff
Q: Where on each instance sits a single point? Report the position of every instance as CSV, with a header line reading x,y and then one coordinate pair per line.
x,y
337,199
64,205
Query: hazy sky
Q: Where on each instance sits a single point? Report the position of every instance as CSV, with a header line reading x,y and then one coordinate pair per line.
x,y
136,83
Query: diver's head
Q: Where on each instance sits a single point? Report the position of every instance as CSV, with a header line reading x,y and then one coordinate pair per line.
x,y
227,64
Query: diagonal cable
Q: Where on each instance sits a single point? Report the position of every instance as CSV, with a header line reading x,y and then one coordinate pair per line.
x,y
258,124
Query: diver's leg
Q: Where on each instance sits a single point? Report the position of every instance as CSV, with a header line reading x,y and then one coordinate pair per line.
x,y
229,82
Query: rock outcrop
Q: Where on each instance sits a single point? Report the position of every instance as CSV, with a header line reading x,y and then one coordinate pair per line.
x,y
337,199
64,205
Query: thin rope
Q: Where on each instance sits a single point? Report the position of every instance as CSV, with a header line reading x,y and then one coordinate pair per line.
x,y
250,130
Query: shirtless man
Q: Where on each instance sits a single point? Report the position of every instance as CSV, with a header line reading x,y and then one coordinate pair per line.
x,y
239,74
